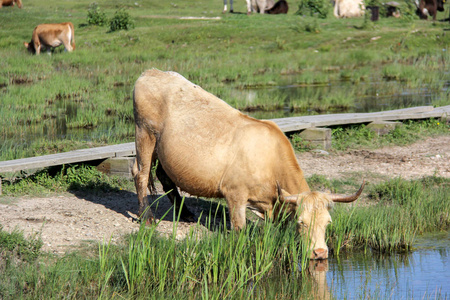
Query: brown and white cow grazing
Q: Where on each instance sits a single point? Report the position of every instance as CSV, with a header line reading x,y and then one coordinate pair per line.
x,y
207,148
429,8
50,36
349,8
10,3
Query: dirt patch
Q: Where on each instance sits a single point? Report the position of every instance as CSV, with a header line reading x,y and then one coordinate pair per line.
x,y
424,158
69,220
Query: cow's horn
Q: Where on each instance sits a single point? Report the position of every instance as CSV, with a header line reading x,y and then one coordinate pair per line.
x,y
284,196
346,198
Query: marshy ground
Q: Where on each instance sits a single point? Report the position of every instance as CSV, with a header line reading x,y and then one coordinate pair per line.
x,y
67,221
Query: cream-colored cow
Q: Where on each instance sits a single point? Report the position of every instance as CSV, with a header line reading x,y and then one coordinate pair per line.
x,y
349,8
209,149
260,6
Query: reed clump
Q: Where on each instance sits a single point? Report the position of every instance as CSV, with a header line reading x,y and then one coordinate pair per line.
x,y
400,210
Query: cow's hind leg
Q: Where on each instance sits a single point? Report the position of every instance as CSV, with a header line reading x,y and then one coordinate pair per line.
x,y
173,194
145,145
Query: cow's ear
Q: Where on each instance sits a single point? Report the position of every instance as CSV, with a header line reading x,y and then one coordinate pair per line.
x,y
25,44
284,196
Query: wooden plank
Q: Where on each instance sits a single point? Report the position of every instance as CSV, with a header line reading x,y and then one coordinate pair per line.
x,y
299,123
67,157
286,124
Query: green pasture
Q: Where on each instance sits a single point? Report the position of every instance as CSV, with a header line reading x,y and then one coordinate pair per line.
x,y
88,92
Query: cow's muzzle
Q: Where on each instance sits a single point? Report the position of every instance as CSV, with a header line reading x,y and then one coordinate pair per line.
x,y
319,253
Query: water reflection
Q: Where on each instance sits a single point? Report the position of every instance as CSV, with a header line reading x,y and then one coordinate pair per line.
x,y
337,97
422,274
318,269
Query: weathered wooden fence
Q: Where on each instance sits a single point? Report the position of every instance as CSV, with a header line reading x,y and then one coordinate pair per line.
x,y
286,124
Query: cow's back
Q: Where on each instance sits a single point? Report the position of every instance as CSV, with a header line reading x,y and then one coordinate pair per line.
x,y
165,96
52,35
195,130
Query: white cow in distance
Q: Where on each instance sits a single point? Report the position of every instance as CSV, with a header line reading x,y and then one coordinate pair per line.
x,y
259,5
252,5
349,8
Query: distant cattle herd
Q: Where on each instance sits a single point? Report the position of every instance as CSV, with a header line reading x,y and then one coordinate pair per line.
x,y
49,36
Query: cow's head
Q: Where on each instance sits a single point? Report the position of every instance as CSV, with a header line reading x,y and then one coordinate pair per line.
x,y
19,3
30,47
313,216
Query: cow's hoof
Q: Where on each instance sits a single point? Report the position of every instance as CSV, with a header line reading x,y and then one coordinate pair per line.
x,y
224,11
249,13
231,11
147,220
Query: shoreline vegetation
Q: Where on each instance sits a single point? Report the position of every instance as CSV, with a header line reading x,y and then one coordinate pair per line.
x,y
45,98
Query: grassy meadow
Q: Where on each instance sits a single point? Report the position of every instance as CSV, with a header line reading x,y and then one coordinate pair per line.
x,y
85,97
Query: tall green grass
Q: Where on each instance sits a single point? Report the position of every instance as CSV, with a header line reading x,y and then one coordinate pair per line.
x,y
77,178
400,210
219,265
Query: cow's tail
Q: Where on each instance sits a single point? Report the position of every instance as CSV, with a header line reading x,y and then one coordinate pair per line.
x,y
72,38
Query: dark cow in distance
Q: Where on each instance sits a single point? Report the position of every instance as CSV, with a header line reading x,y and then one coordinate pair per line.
x,y
11,3
281,7
50,36
209,149
430,8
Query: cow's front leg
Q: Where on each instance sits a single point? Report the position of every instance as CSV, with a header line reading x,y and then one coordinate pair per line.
x,y
236,208
173,194
37,47
145,145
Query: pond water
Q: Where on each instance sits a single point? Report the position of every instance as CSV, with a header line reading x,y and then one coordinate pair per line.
x,y
359,98
422,274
